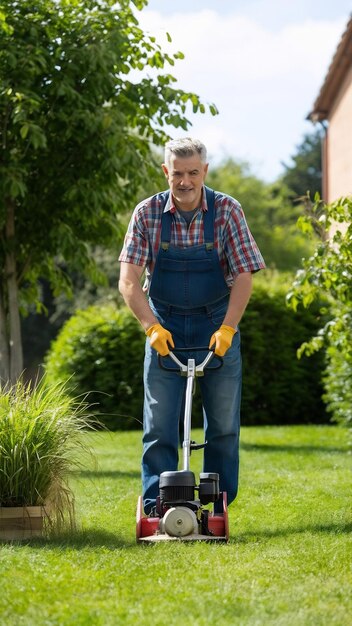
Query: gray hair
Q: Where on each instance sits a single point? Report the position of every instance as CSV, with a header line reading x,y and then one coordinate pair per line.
x,y
184,148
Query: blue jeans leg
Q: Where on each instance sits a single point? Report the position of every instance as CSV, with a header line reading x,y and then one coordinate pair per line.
x,y
221,397
163,398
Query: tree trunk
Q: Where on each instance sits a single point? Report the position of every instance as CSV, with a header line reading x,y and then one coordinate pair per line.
x,y
14,320
4,346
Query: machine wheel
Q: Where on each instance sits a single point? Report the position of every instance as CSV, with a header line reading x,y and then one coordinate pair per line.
x,y
139,516
226,515
179,521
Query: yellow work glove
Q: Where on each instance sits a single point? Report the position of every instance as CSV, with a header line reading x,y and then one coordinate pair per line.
x,y
159,339
222,339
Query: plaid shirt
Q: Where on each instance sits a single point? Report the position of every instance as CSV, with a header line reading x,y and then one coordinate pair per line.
x,y
237,250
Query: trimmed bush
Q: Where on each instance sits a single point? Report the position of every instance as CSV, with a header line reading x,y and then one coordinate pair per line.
x,y
101,350
279,388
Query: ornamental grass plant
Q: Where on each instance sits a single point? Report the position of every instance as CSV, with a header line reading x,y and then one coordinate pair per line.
x,y
40,443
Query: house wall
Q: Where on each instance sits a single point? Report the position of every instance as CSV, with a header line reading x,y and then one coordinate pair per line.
x,y
339,144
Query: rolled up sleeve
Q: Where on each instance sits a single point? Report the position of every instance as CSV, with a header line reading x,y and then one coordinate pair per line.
x,y
241,250
136,247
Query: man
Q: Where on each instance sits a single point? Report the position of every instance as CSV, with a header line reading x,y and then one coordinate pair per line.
x,y
199,256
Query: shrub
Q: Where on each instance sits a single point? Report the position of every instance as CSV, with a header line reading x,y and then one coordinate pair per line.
x,y
278,388
101,351
328,273
338,382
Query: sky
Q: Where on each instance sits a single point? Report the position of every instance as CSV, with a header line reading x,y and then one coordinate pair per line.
x,y
261,62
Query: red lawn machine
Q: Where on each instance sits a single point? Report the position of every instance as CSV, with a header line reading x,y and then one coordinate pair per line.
x,y
180,512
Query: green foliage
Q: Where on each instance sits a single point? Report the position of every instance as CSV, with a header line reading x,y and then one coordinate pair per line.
x,y
328,273
87,292
269,213
40,442
277,388
76,126
101,350
305,174
338,377
39,328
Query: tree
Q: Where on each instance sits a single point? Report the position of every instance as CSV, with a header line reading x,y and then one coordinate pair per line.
x,y
305,174
269,213
328,274
76,130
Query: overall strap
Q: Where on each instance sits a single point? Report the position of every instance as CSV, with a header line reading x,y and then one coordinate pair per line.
x,y
209,217
166,220
208,220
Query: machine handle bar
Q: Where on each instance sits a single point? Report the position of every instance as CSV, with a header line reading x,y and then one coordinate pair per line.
x,y
184,367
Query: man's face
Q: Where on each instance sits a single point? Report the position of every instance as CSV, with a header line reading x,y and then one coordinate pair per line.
x,y
186,177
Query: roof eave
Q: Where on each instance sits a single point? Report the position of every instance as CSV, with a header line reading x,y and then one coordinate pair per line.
x,y
340,64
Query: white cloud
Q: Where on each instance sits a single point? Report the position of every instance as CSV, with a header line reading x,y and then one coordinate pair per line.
x,y
263,82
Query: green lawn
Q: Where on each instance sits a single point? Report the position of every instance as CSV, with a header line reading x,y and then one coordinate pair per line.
x,y
288,561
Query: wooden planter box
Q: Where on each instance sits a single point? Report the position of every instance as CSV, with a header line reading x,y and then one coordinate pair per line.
x,y
19,523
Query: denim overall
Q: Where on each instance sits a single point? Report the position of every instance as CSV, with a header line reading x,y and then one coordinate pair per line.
x,y
189,296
